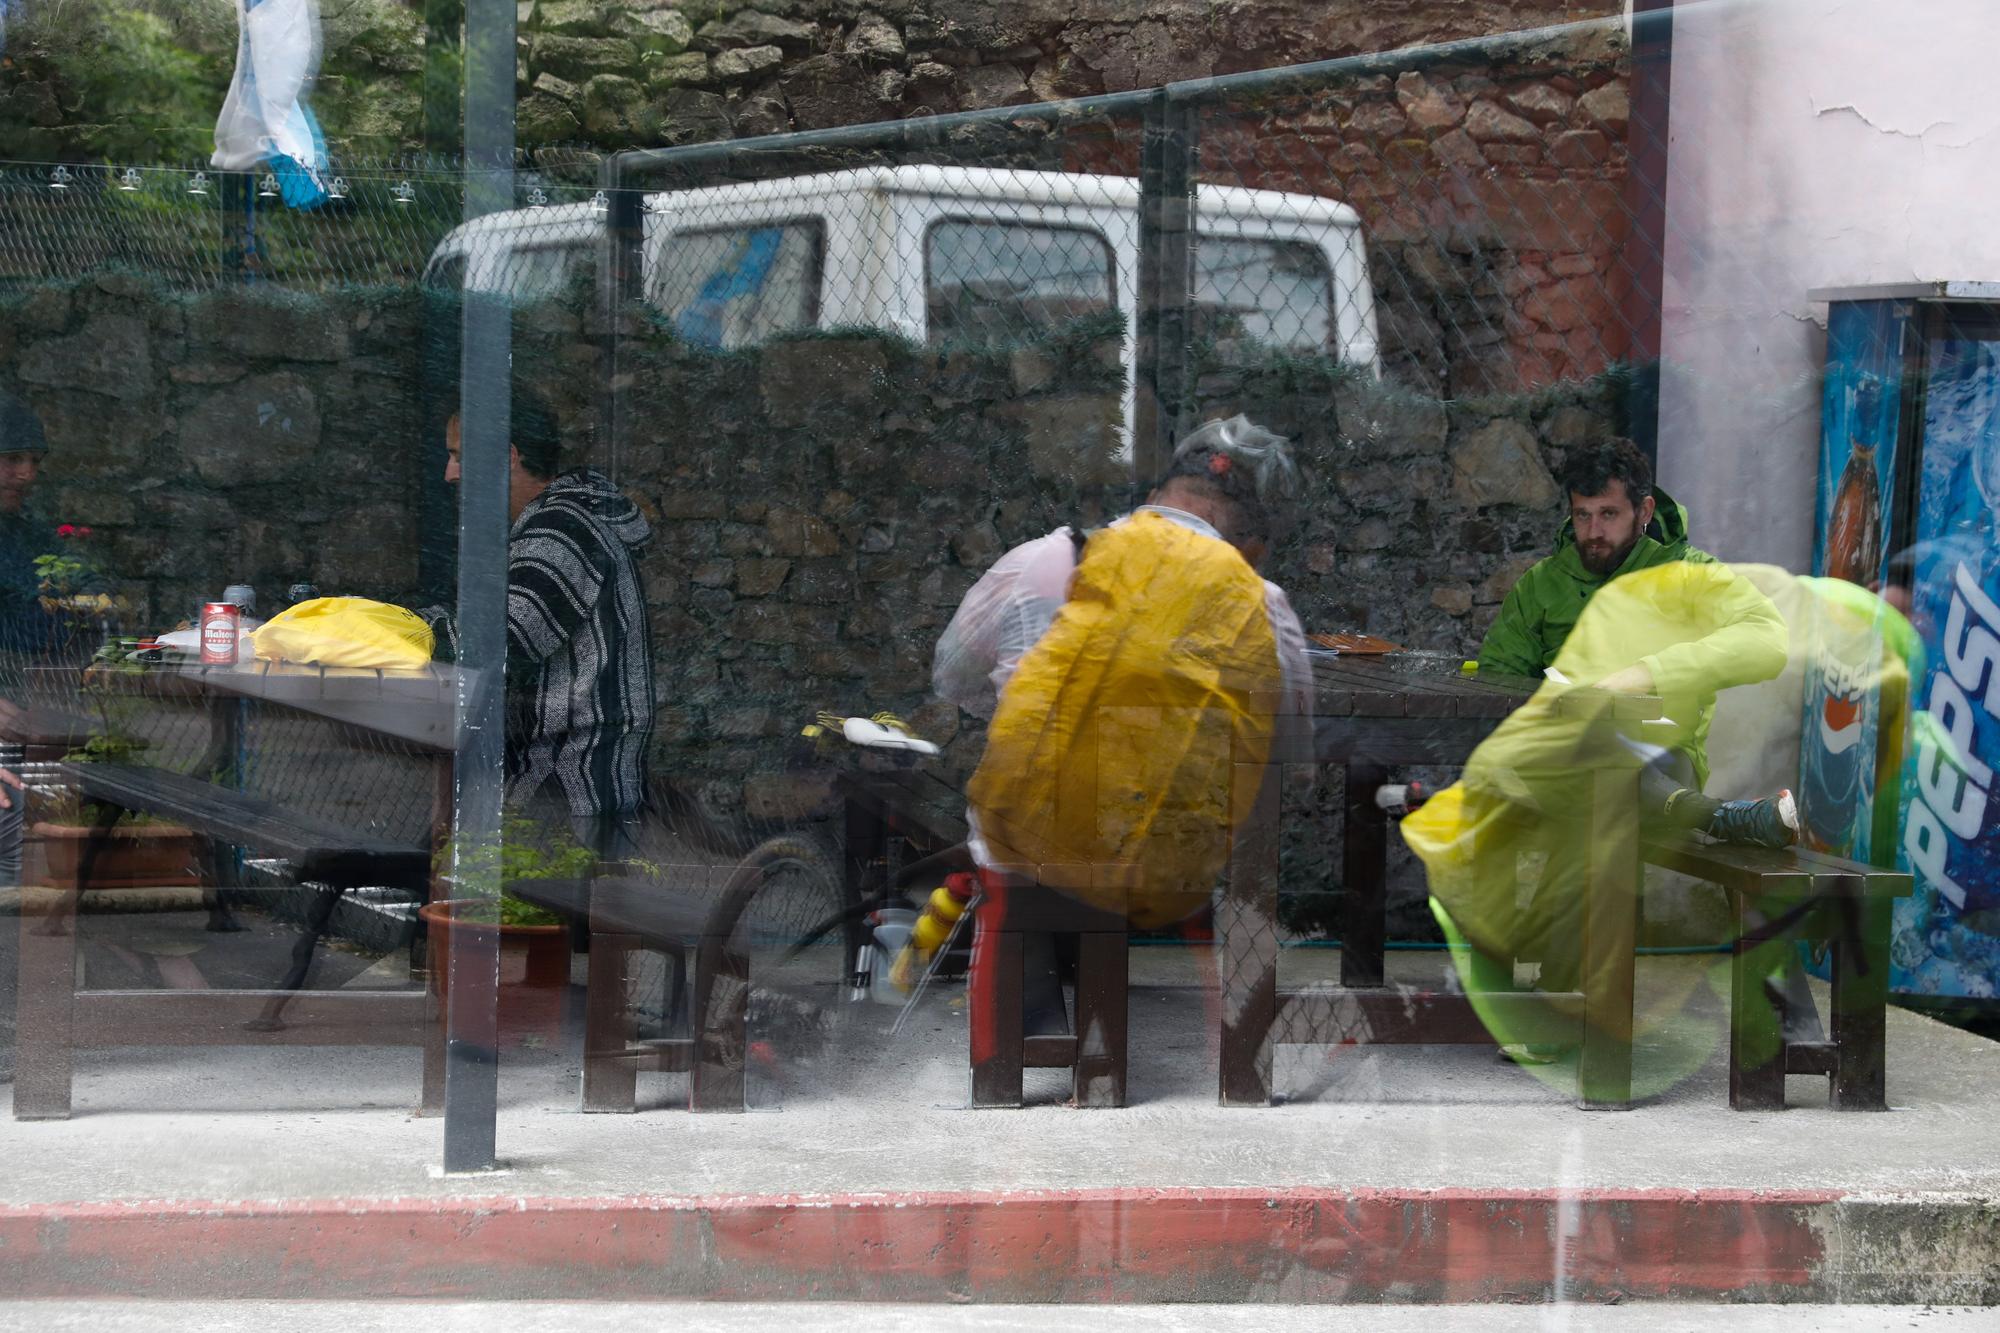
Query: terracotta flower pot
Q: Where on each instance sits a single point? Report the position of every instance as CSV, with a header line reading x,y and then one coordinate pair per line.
x,y
131,855
534,966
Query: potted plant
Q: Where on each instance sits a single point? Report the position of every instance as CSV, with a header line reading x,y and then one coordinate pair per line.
x,y
140,850
534,943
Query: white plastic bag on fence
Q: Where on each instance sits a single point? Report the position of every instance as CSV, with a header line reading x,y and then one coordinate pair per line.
x,y
265,118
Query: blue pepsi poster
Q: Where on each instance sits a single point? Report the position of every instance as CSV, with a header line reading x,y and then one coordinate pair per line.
x,y
1947,935
1859,416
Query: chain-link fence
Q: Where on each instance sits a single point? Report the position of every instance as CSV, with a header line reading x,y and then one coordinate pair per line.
x,y
847,368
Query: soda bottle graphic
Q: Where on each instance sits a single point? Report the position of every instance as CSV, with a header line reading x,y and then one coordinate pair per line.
x,y
1854,521
1831,751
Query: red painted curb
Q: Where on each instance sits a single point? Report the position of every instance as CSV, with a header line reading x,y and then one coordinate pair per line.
x,y
1287,1244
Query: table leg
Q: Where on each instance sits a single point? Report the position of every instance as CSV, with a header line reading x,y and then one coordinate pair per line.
x,y
1364,878
45,1004
1246,929
1604,1067
1860,1001
431,1104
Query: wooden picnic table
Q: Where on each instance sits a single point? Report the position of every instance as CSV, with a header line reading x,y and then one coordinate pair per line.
x,y
1371,713
414,709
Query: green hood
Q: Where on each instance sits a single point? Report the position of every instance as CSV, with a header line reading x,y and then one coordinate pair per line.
x,y
1665,539
1543,606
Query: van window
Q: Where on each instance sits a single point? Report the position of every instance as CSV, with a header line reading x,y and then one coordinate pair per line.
x,y
736,286
993,281
446,273
1279,293
538,272
520,273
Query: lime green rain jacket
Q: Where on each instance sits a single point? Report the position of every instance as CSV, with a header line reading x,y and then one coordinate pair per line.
x,y
1543,606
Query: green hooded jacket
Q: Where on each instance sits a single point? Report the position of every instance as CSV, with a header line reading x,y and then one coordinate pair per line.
x,y
1541,609
1746,644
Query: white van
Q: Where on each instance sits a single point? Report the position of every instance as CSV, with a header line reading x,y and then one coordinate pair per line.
x,y
945,255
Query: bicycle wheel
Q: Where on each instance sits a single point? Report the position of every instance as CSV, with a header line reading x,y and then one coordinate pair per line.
x,y
788,887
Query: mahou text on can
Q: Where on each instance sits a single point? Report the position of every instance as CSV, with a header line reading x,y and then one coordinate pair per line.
x,y
218,633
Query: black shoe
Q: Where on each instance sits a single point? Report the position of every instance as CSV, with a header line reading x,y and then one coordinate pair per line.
x,y
1771,822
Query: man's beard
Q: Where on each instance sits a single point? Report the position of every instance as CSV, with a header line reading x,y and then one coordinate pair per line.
x,y
1608,560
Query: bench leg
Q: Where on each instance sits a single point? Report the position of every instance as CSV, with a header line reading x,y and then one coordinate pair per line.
x,y
1611,923
1860,1000
1246,932
1101,1018
1364,859
45,1005
994,1010
722,1026
610,1078
1756,1043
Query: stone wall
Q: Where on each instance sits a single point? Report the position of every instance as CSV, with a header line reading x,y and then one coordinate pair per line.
x,y
1490,190
820,504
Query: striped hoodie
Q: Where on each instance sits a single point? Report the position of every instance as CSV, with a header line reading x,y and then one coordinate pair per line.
x,y
579,651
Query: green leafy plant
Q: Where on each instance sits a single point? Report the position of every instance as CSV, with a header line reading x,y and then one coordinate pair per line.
x,y
527,850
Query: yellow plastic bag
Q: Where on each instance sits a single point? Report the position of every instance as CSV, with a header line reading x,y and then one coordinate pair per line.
x,y
1109,765
345,632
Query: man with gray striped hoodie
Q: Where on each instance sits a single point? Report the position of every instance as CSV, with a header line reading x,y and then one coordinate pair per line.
x,y
579,651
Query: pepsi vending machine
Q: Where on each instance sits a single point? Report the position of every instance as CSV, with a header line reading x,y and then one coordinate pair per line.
x,y
1909,503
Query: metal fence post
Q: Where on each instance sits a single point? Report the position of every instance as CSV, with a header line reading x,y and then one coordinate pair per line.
x,y
472,1060
1166,277
618,279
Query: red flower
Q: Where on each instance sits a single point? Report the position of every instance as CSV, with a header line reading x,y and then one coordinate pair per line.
x,y
1218,464
66,530
83,532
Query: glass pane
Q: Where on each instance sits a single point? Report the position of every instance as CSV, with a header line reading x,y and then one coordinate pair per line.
x,y
1275,292
737,286
989,281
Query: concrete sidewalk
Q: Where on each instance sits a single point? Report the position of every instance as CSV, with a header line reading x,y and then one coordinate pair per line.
x,y
1394,1173
588,1317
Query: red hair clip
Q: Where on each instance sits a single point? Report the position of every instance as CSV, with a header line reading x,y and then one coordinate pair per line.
x,y
1218,464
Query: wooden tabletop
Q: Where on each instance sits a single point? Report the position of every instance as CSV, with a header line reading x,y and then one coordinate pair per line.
x,y
419,706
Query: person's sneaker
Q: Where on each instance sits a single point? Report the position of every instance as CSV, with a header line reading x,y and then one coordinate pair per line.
x,y
1771,822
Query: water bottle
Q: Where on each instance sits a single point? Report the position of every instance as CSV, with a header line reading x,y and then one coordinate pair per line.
x,y
933,928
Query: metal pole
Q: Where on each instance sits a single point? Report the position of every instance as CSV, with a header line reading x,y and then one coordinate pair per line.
x,y
472,1061
1166,258
1646,214
618,277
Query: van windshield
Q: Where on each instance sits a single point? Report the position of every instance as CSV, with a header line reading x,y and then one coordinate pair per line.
x,y
991,282
736,286
1257,291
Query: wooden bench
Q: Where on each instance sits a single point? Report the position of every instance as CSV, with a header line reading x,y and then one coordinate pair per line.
x,y
628,912
1780,897
925,812
55,1018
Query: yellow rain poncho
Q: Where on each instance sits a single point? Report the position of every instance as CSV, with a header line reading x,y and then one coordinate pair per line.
x,y
1109,764
1697,629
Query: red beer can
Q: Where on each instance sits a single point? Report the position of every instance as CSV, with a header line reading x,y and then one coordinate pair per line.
x,y
218,633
